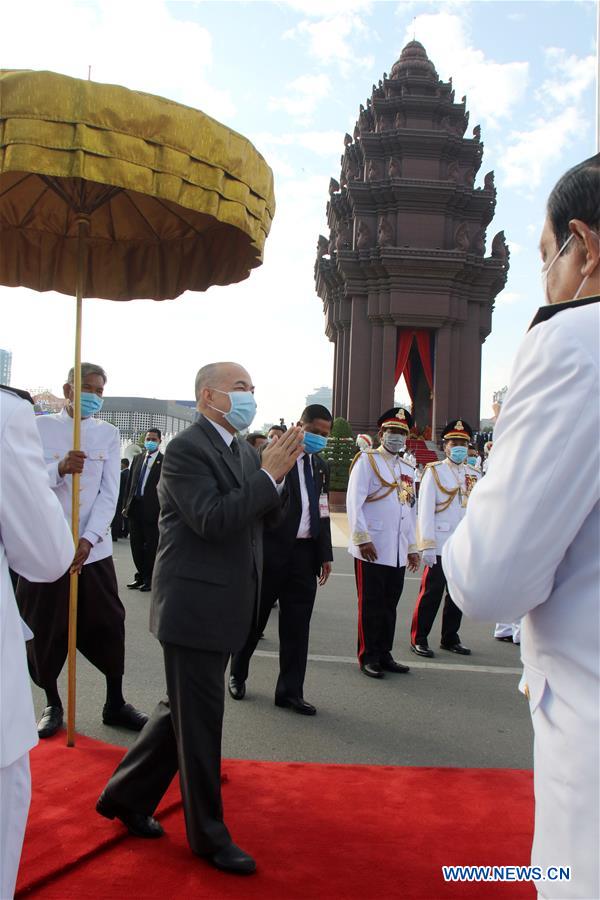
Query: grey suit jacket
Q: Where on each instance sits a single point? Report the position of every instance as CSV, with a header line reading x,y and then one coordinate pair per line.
x,y
209,561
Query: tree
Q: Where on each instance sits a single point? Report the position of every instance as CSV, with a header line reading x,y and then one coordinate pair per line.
x,y
339,452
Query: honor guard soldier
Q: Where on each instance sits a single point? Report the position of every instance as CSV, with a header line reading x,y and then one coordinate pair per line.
x,y
443,496
382,517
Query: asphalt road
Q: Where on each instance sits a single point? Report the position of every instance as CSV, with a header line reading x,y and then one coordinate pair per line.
x,y
448,711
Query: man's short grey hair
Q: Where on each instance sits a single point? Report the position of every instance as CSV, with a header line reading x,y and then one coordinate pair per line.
x,y
206,377
87,369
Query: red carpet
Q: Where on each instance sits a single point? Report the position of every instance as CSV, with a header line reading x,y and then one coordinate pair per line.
x,y
317,831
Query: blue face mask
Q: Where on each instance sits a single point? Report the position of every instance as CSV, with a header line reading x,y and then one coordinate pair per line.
x,y
243,409
90,404
472,460
458,454
313,443
151,445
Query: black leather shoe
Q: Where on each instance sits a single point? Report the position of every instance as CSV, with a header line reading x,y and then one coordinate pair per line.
x,y
507,640
422,650
126,716
373,670
51,721
233,859
134,585
137,823
297,704
390,665
237,689
145,588
456,648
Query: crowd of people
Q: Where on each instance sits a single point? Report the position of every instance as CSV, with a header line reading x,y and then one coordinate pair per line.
x,y
222,528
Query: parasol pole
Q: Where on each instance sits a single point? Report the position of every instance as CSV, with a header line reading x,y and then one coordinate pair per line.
x,y
83,225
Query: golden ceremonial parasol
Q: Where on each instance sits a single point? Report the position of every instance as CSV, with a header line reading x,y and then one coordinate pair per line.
x,y
116,194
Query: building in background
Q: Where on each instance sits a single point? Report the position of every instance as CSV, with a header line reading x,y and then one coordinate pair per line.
x,y
5,366
133,416
322,395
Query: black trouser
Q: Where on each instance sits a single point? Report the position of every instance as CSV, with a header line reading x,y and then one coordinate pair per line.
x,y
183,733
379,589
433,584
143,537
294,584
100,622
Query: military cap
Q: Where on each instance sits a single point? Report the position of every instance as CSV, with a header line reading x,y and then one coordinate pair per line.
x,y
397,417
457,429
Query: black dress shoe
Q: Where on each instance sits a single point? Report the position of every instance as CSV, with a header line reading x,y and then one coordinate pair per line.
x,y
508,639
137,823
233,859
51,721
134,585
456,648
422,650
297,704
373,670
237,689
390,665
145,588
126,716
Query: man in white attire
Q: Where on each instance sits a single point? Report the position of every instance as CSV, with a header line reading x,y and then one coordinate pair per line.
x,y
538,557
35,542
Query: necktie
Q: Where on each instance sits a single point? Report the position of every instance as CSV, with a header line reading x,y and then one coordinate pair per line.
x,y
235,448
313,500
140,483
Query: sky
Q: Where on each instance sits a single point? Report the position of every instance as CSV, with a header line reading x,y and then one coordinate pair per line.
x,y
290,76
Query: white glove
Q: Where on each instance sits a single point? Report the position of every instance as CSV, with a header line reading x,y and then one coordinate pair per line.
x,y
429,558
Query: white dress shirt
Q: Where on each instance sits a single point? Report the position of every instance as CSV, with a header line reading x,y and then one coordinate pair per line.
x,y
146,466
304,526
100,479
228,438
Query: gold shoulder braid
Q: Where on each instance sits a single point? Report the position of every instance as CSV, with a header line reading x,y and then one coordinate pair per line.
x,y
451,494
404,490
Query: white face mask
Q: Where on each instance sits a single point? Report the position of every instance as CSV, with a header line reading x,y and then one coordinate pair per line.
x,y
393,443
546,270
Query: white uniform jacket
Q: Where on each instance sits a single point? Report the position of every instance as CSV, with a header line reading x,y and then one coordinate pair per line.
x,y
445,489
100,479
529,545
389,522
34,541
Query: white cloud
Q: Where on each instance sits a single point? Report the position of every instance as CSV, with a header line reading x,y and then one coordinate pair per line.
x,y
573,75
493,89
330,39
323,143
508,298
529,153
327,8
136,44
303,96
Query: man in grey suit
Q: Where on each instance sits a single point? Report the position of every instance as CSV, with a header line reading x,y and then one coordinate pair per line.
x,y
214,494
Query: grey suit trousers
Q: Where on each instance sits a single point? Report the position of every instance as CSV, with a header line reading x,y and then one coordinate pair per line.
x,y
183,732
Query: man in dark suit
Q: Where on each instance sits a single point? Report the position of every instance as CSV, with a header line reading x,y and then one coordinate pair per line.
x,y
298,554
214,493
142,509
118,523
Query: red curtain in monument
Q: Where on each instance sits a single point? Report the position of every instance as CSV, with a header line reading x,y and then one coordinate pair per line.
x,y
423,340
405,339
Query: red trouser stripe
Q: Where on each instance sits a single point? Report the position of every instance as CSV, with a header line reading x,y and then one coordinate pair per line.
x,y
415,619
359,588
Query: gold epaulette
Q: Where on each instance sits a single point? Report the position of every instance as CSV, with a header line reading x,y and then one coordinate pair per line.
x,y
437,462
